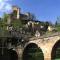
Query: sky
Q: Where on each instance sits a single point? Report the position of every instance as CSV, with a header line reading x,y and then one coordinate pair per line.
x,y
44,10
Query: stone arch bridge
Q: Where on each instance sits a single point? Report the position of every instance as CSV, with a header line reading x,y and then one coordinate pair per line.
x,y
45,43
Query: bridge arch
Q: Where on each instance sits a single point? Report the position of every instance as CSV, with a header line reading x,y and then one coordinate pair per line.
x,y
8,54
13,54
32,51
55,52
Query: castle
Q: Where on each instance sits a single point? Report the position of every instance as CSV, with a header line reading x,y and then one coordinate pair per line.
x,y
46,47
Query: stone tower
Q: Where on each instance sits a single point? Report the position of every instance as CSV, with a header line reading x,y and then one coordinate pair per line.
x,y
17,11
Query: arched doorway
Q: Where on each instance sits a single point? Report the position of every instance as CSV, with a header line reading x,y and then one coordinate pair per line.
x,y
55,54
32,52
8,54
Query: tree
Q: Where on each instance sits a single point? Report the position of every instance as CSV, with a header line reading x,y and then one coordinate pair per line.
x,y
5,17
31,16
57,24
17,24
58,20
46,26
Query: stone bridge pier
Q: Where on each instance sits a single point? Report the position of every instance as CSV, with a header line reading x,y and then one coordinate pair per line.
x,y
45,44
19,51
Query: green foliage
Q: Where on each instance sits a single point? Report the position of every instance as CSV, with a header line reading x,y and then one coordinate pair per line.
x,y
58,20
3,29
3,22
16,24
5,17
34,54
57,24
58,27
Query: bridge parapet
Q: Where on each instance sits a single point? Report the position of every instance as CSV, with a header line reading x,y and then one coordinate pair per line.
x,y
46,37
46,44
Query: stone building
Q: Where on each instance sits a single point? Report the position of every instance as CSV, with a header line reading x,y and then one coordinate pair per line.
x,y
17,48
26,18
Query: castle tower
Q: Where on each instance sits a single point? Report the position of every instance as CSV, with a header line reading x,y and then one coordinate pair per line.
x,y
16,10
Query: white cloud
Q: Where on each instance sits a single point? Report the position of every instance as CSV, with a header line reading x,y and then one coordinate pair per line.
x,y
5,6
5,0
